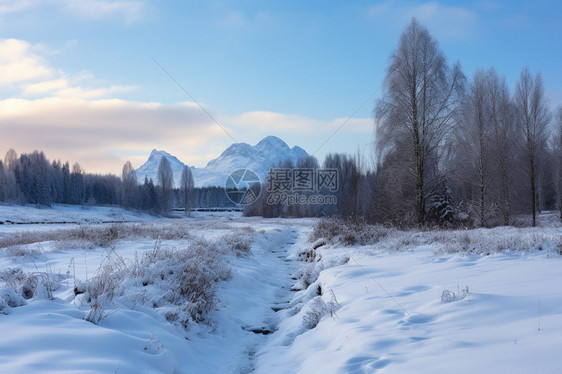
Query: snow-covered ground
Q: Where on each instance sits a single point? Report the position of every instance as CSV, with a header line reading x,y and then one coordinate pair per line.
x,y
509,322
292,306
65,214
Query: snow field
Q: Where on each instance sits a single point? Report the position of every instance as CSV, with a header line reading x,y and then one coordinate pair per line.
x,y
280,303
146,313
17,214
495,328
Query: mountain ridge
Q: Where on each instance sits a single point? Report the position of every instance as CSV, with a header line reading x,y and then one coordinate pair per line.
x,y
269,151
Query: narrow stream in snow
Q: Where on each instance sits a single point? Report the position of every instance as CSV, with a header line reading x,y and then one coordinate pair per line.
x,y
260,286
277,274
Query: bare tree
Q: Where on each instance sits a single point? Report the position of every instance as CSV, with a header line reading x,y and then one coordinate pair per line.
x,y
129,185
11,159
501,114
473,143
76,184
186,188
166,182
415,113
9,190
557,152
305,210
533,117
483,149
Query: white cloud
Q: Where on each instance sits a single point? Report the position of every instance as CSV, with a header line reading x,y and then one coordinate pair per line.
x,y
446,21
18,63
13,6
279,122
312,134
102,134
45,87
91,93
130,10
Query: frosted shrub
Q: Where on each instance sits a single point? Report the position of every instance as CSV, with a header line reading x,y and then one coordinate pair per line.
x,y
187,279
9,298
238,242
28,285
153,346
92,236
449,296
313,312
347,232
13,277
15,251
180,284
102,288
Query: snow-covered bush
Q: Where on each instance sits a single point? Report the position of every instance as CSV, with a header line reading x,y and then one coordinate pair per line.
x,y
102,288
180,284
92,236
449,296
177,284
9,298
28,251
238,242
347,232
14,277
31,285
440,208
153,346
313,312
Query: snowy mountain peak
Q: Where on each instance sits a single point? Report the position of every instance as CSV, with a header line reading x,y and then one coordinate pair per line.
x,y
268,152
235,150
272,142
157,155
150,168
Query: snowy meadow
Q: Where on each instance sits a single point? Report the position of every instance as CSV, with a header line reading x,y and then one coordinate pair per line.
x,y
222,293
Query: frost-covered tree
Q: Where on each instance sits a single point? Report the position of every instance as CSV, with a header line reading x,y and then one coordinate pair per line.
x,y
348,177
533,118
66,187
557,153
129,187
76,185
149,196
306,210
33,177
501,114
11,159
482,149
9,190
415,113
186,188
474,141
166,184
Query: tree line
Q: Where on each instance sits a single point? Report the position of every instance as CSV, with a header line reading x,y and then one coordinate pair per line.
x,y
449,150
471,147
33,179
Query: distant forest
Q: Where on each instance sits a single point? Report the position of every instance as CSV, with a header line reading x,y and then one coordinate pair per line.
x,y
33,179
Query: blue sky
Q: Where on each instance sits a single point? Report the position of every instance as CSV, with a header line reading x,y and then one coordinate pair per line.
x,y
77,81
